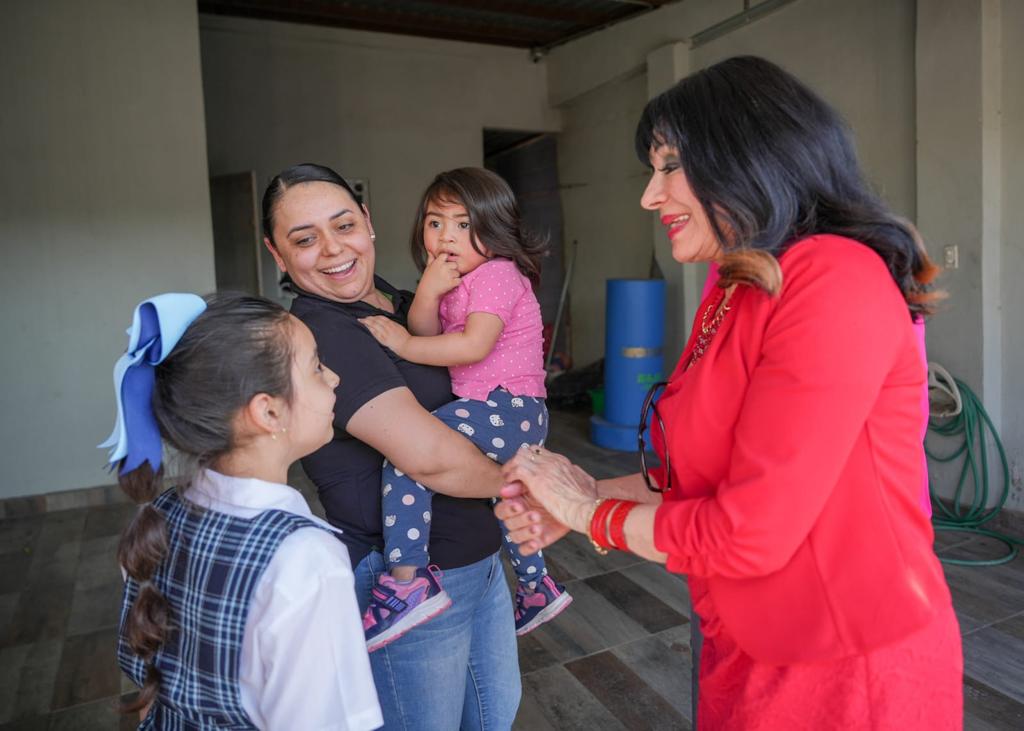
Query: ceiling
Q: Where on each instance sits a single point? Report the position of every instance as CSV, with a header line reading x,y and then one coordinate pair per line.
x,y
536,24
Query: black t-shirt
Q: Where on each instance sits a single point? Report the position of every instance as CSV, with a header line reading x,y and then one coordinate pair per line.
x,y
346,471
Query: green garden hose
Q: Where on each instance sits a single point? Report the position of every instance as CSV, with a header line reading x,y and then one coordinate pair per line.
x,y
970,426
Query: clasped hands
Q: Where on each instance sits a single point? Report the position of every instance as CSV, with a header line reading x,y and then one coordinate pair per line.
x,y
546,496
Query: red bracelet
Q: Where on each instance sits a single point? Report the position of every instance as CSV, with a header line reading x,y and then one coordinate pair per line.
x,y
599,523
617,525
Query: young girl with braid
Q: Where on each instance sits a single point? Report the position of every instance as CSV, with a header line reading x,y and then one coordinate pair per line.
x,y
239,608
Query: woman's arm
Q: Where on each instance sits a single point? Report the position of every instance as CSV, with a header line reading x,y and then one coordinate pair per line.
x,y
629,487
470,346
396,425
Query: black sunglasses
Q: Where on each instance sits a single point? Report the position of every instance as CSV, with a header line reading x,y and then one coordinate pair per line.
x,y
650,407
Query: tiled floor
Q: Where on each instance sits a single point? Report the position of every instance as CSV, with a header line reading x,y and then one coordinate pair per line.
x,y
618,658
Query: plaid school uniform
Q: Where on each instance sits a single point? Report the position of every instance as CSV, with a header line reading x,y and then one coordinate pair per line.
x,y
208,577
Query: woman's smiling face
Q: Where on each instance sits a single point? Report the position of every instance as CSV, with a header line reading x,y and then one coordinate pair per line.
x,y
668,192
323,239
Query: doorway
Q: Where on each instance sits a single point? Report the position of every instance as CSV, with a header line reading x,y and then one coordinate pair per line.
x,y
528,161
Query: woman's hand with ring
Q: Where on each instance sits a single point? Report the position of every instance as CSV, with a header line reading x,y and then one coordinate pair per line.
x,y
554,483
527,523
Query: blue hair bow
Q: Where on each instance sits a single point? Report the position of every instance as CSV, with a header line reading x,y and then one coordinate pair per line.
x,y
157,326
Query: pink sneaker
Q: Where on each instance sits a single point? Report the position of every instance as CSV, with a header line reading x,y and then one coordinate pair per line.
x,y
534,608
398,606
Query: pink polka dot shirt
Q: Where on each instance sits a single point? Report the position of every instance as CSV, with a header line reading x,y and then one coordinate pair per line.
x,y
516,363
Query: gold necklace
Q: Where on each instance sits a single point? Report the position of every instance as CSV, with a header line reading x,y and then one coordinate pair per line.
x,y
722,308
708,329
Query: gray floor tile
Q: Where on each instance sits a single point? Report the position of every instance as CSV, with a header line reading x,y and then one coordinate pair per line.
x,y
107,520
60,536
8,604
14,570
38,678
1013,626
632,701
36,723
575,553
11,661
41,613
103,545
19,534
663,665
590,625
530,716
97,569
987,594
635,602
88,669
986,709
668,587
996,658
102,715
532,654
564,703
94,608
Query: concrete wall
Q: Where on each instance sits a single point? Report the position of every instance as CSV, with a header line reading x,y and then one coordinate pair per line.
x,y
104,202
1012,155
870,42
971,172
391,109
601,185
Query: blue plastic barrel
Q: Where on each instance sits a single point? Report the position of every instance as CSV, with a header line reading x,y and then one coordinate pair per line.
x,y
634,339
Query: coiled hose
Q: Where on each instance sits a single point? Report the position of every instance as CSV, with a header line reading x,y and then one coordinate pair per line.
x,y
968,422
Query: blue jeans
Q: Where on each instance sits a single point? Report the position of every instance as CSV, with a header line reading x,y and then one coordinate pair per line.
x,y
459,670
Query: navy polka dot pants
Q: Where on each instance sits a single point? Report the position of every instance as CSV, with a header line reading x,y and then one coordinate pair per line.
x,y
500,427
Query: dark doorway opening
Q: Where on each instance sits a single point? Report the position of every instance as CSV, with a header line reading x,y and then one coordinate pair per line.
x,y
529,162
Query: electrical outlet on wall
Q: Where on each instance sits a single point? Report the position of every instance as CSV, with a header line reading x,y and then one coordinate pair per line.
x,y
951,257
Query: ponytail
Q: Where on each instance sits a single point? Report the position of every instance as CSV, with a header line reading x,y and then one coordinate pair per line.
x,y
142,548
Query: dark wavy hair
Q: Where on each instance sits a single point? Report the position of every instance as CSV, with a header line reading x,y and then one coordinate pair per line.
x,y
237,348
494,218
772,163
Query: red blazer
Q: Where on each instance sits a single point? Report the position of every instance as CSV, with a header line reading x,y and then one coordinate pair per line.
x,y
796,454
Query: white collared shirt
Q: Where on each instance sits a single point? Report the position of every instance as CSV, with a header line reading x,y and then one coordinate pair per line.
x,y
304,663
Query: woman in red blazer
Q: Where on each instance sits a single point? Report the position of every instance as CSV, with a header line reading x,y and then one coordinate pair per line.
x,y
789,431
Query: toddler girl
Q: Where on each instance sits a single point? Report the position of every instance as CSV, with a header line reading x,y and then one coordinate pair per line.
x,y
239,605
474,312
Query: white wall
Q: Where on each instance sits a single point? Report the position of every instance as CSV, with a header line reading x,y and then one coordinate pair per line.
x,y
859,56
601,185
104,201
392,109
1012,304
971,172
